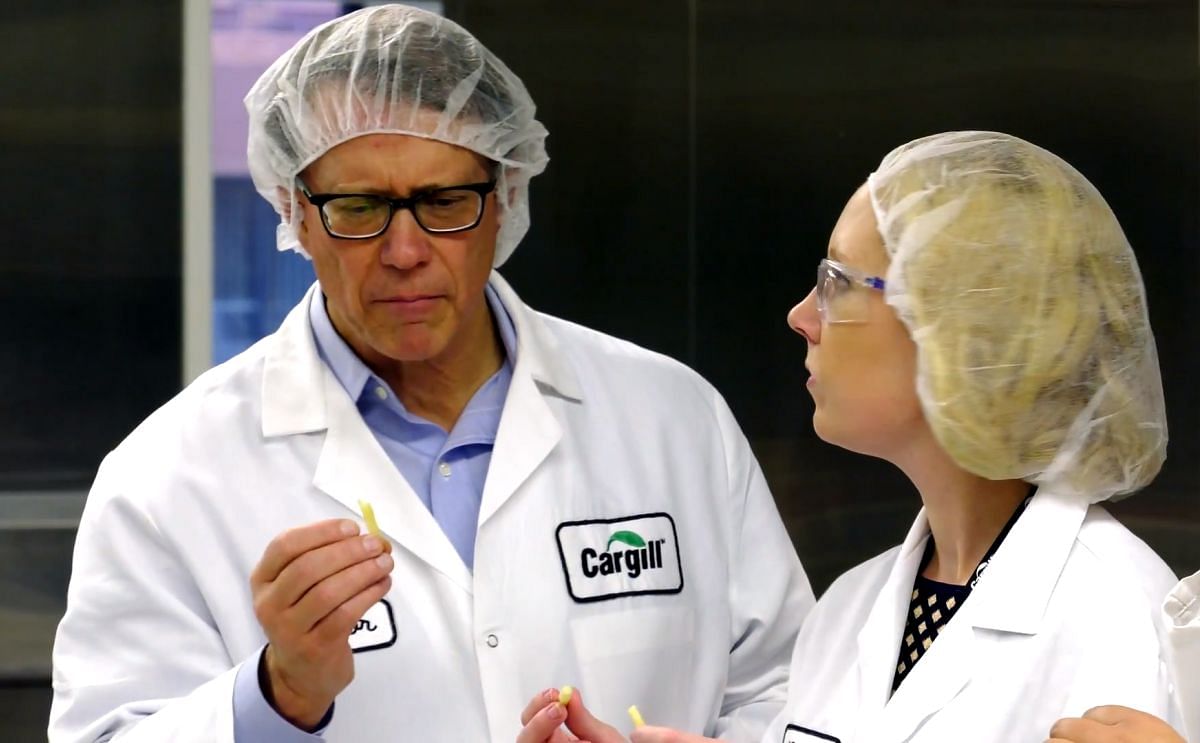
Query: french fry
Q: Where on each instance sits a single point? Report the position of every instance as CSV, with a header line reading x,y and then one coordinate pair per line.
x,y
368,514
636,716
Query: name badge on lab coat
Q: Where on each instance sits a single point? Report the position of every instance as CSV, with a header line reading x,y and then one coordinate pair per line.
x,y
627,556
376,629
797,734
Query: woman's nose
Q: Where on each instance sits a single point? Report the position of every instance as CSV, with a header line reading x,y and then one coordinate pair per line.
x,y
805,319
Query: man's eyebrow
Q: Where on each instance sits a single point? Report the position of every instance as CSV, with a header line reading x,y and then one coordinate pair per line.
x,y
355,188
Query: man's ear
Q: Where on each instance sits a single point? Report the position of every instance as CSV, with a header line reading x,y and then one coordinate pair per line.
x,y
286,199
285,202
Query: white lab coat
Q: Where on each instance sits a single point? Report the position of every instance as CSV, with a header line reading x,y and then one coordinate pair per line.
x,y
159,614
1181,613
1065,618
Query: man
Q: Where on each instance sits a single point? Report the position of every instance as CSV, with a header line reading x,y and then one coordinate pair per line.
x,y
557,506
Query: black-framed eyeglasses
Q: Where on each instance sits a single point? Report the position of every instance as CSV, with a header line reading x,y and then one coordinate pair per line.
x,y
360,216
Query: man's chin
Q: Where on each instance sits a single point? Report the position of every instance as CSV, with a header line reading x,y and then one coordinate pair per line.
x,y
412,343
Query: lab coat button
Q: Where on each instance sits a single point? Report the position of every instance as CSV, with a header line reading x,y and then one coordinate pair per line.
x,y
492,641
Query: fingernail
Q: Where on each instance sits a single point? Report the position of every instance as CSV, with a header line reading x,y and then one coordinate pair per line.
x,y
556,711
384,561
372,544
349,528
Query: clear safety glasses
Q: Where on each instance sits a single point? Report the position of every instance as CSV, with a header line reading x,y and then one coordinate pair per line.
x,y
840,295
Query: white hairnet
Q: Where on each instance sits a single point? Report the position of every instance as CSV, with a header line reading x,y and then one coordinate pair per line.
x,y
1035,355
392,69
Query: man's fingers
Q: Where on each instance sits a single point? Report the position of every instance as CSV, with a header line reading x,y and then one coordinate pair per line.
x,y
310,570
338,623
1078,729
542,727
329,596
295,542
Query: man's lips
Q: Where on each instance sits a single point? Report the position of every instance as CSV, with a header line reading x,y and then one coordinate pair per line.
x,y
410,307
409,298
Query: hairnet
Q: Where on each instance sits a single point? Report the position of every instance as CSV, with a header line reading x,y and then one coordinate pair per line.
x,y
392,69
1035,358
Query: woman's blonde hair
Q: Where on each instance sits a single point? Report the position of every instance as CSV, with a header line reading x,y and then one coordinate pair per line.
x,y
1035,355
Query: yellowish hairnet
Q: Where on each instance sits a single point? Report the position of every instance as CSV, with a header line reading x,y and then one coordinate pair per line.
x,y
1035,355
392,69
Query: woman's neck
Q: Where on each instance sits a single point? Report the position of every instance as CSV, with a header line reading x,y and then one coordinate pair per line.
x,y
966,512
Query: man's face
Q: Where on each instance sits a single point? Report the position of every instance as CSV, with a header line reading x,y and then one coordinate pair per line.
x,y
406,295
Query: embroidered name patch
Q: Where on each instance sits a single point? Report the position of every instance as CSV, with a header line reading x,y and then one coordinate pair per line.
x,y
376,629
628,556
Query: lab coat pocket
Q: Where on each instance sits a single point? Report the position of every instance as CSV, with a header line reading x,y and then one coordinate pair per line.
x,y
637,656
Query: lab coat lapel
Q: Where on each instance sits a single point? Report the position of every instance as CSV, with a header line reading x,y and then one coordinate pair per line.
x,y
302,396
529,430
940,675
879,638
1014,592
354,466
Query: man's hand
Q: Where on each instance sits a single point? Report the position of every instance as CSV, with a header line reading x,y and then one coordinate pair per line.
x,y
310,588
543,718
1113,724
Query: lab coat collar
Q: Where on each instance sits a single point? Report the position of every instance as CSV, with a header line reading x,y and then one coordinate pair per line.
x,y
1011,596
293,394
293,401
529,429
538,351
300,394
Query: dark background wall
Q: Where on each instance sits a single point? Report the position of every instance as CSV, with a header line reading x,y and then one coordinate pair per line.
x,y
90,188
90,185
701,152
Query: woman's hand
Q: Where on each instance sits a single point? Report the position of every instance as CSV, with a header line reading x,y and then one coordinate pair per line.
x,y
544,716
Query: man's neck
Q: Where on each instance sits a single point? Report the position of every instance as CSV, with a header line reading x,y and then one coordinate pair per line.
x,y
439,389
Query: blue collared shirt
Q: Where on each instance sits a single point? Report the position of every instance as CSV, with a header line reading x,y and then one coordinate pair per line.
x,y
447,471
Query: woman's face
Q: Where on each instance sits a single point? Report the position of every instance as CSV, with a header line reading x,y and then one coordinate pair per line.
x,y
862,362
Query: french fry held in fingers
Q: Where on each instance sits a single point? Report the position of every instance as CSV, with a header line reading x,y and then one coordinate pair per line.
x,y
368,514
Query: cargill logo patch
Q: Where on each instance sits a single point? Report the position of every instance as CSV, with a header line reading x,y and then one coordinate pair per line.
x,y
628,556
632,556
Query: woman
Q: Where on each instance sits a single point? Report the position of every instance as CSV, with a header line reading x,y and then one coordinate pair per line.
x,y
980,322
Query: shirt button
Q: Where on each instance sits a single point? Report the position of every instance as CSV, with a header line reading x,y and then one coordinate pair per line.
x,y
492,641
381,393
444,469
